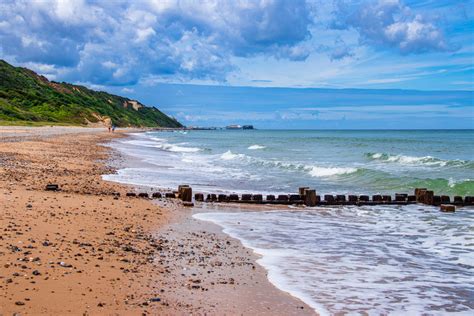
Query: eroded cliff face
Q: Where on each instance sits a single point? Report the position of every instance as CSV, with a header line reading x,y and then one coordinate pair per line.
x,y
134,104
104,121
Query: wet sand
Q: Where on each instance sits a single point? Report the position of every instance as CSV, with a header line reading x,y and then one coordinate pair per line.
x,y
86,250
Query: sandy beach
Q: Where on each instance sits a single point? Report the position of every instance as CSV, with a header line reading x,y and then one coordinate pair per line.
x,y
90,249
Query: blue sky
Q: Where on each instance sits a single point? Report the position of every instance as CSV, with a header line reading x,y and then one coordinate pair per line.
x,y
272,63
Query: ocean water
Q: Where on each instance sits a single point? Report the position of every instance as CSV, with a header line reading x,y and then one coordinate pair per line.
x,y
280,161
398,260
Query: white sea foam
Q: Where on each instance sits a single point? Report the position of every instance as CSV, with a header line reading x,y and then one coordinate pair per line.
x,y
329,171
177,149
255,147
229,155
453,182
160,144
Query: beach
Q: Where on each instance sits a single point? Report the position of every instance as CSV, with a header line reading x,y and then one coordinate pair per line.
x,y
90,249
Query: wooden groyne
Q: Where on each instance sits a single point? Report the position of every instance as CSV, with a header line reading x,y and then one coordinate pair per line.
x,y
307,197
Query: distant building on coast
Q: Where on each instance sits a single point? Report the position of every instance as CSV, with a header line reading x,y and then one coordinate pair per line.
x,y
239,127
198,128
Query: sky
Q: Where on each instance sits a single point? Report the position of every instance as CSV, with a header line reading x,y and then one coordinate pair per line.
x,y
271,63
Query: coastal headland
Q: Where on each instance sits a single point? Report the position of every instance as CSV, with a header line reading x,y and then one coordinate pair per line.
x,y
90,249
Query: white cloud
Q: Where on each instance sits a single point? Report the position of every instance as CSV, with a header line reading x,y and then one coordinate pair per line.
x,y
391,23
128,90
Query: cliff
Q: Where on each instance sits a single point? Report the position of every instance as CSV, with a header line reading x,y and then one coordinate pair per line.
x,y
26,97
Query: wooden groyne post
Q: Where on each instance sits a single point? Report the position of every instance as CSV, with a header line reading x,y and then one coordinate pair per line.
x,y
185,193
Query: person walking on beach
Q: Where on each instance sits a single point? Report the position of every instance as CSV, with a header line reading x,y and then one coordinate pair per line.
x,y
108,123
113,128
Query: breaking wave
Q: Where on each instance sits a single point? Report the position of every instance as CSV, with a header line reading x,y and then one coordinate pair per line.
x,y
254,147
177,149
412,160
330,171
162,144
312,170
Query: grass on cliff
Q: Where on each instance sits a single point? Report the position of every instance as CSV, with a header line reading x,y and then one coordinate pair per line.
x,y
28,98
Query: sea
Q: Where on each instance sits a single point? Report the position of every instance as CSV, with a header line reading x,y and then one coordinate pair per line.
x,y
371,260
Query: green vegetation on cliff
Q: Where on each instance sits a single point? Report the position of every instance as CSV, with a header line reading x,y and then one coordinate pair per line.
x,y
26,97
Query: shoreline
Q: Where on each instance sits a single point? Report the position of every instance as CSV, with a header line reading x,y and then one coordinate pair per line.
x,y
227,277
85,250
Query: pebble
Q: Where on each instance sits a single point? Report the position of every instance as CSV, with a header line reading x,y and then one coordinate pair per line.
x,y
65,265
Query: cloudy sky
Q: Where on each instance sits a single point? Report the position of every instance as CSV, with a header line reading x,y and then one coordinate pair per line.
x,y
268,62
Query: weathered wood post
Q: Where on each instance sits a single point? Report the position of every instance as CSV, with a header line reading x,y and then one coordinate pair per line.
x,y
233,197
186,194
295,198
181,188
270,197
458,200
400,197
222,198
309,197
329,199
199,197
468,200
352,199
429,197
447,208
302,190
420,195
445,199
377,198
246,197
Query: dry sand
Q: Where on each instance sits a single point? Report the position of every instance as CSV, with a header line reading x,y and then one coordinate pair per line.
x,y
85,250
